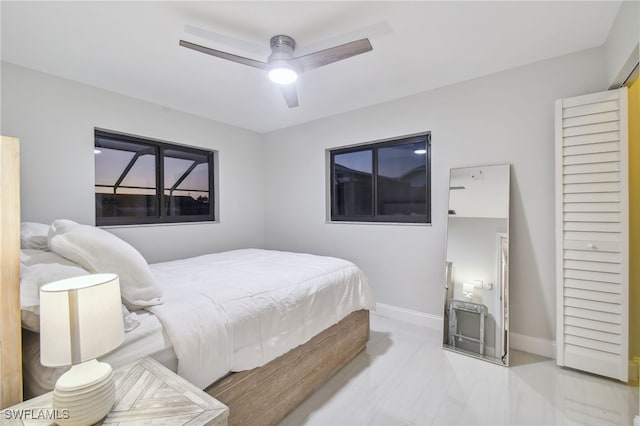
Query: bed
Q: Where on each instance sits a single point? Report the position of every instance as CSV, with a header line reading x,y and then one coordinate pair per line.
x,y
259,330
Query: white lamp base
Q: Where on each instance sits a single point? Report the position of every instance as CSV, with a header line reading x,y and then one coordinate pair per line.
x,y
87,391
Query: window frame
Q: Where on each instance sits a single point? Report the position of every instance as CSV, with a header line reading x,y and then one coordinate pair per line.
x,y
160,147
374,147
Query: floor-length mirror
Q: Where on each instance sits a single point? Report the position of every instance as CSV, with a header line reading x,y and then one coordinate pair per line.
x,y
476,302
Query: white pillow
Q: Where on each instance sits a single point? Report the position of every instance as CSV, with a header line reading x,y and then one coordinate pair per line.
x,y
99,251
39,268
32,256
34,236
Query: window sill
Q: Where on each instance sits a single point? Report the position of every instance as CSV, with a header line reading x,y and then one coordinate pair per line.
x,y
146,225
344,222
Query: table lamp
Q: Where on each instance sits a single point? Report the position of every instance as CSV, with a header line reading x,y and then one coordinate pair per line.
x,y
80,320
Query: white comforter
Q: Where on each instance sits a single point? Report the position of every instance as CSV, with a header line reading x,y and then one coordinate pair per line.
x,y
240,309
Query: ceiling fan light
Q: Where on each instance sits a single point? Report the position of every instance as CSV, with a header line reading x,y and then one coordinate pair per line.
x,y
283,75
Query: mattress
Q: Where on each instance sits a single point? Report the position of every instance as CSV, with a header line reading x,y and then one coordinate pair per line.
x,y
148,339
229,311
240,309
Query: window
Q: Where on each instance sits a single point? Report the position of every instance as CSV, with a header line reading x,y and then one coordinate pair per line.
x,y
386,181
146,181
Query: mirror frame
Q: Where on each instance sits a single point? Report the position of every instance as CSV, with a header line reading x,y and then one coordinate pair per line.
x,y
448,284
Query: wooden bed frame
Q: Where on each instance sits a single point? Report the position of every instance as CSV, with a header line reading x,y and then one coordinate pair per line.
x,y
265,395
261,396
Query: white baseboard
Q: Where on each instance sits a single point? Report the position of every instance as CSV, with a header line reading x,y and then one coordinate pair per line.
x,y
408,315
533,345
520,342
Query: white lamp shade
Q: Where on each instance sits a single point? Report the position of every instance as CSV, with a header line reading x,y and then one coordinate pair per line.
x,y
80,319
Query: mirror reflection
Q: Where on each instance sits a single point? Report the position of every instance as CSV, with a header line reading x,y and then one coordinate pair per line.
x,y
477,269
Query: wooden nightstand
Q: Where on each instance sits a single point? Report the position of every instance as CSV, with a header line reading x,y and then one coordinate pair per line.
x,y
146,393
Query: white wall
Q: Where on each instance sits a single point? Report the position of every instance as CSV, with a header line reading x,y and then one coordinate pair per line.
x,y
621,47
55,118
505,117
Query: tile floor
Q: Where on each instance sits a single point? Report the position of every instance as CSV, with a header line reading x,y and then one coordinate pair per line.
x,y
406,378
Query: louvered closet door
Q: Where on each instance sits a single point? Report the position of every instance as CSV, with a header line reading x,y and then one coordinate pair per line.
x,y
592,233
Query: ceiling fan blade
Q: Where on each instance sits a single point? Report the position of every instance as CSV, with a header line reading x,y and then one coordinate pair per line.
x,y
225,55
371,32
331,55
290,95
235,44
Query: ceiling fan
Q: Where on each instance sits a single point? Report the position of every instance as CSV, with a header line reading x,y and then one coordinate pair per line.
x,y
283,66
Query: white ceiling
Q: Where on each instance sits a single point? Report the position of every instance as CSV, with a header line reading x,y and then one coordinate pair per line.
x,y
132,48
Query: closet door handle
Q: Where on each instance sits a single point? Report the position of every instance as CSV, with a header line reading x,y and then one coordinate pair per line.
x,y
591,246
